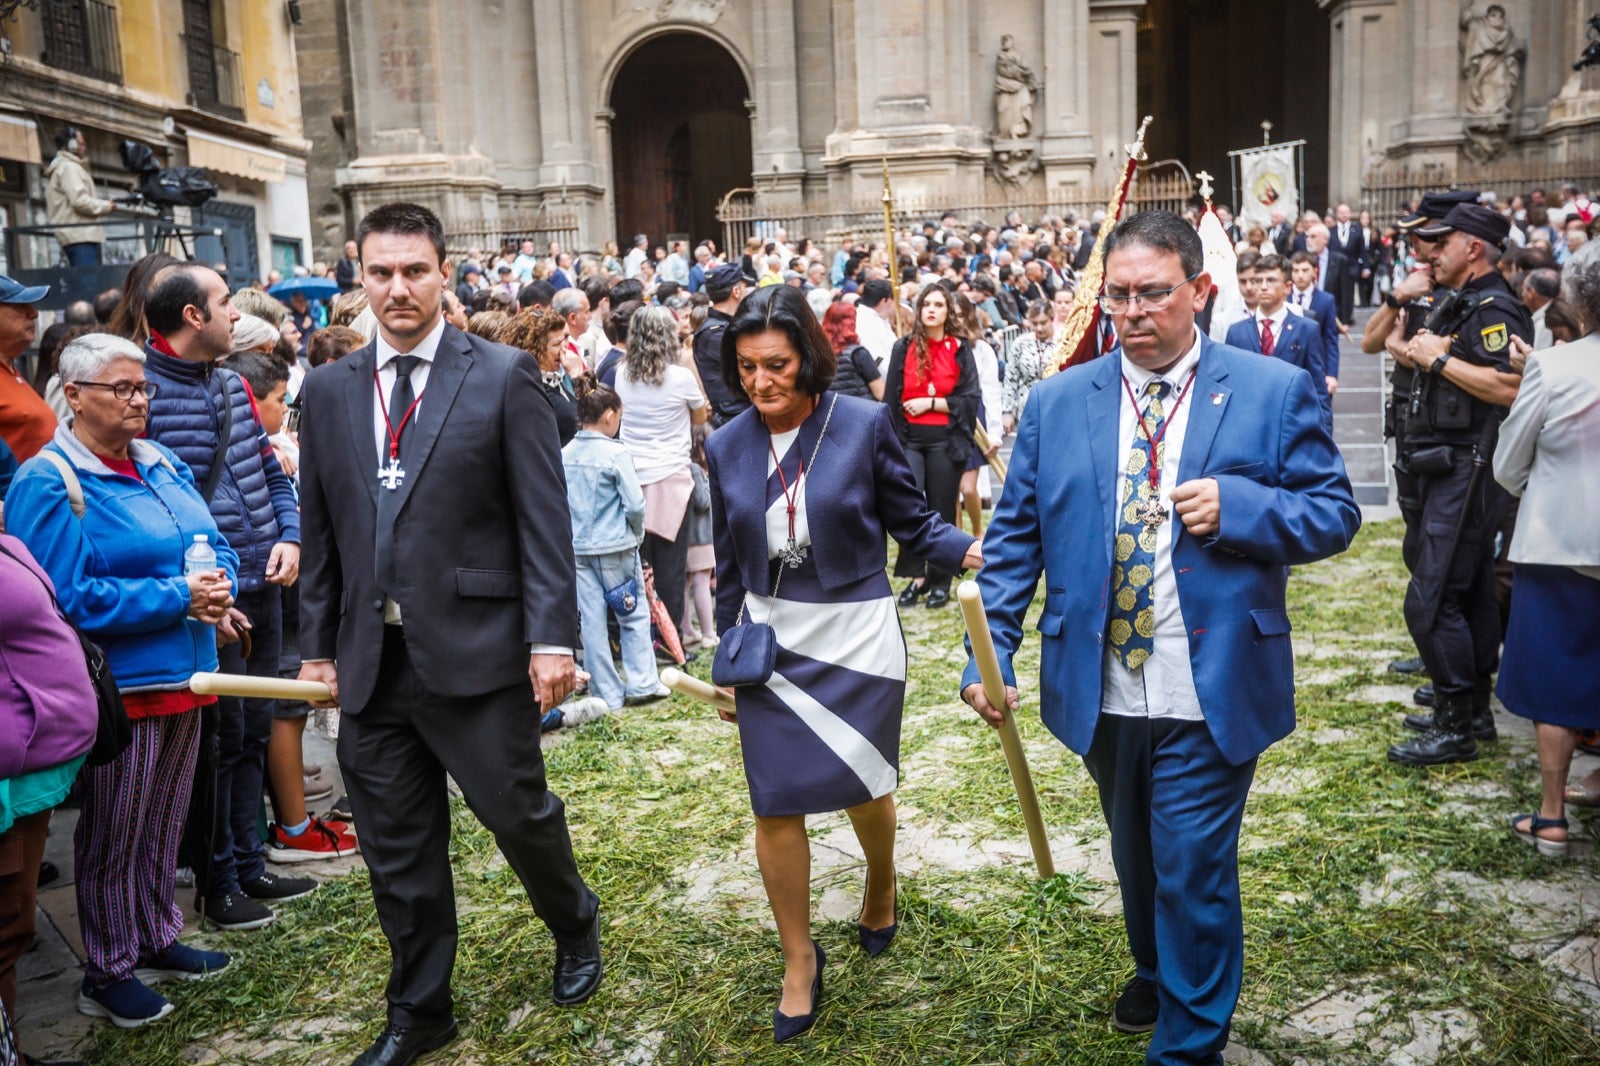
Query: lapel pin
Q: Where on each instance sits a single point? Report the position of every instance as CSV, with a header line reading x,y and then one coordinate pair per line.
x,y
1216,399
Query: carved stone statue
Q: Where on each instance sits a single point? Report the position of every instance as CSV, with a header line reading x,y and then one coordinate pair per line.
x,y
1014,89
1491,64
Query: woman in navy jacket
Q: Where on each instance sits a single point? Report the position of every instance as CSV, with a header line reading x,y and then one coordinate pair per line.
x,y
823,733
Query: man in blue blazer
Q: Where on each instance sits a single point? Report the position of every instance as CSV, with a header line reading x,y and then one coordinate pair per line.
x,y
1318,305
1165,659
1272,329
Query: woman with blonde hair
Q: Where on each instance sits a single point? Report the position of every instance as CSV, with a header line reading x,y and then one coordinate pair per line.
x,y
661,403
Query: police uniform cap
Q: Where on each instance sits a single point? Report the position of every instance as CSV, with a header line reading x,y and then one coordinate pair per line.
x,y
1482,222
1436,205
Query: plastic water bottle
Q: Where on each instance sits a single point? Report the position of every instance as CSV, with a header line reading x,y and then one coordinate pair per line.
x,y
201,556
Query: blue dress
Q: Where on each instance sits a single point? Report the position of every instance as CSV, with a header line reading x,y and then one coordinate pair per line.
x,y
824,733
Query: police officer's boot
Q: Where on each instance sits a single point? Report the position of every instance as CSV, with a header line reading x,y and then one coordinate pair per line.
x,y
1448,739
1483,728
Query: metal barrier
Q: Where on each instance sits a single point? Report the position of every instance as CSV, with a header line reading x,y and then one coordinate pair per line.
x,y
746,213
34,257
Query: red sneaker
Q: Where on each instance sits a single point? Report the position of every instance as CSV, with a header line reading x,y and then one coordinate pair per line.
x,y
320,841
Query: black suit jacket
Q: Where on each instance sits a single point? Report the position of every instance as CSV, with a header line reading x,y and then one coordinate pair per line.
x,y
1353,250
482,538
1281,236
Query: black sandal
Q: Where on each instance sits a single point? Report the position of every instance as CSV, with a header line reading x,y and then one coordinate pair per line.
x,y
1553,848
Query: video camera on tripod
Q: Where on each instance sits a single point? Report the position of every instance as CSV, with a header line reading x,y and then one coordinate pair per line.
x,y
164,187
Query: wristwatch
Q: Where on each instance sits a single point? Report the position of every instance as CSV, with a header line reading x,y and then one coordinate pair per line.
x,y
1390,301
1438,364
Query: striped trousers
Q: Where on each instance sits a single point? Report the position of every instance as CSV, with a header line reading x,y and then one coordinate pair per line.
x,y
126,846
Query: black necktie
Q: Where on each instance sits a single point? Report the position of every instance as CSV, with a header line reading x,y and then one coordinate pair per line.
x,y
401,397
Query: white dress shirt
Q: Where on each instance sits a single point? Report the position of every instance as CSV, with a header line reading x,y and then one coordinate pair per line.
x,y
1324,282
1301,298
427,348
1163,687
1277,321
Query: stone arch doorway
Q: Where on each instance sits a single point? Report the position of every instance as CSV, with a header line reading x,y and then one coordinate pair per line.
x,y
680,138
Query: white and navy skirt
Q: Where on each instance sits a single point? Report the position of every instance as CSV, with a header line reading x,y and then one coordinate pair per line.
x,y
824,733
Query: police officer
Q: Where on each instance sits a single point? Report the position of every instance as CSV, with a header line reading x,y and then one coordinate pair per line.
x,y
726,287
1401,317
1462,386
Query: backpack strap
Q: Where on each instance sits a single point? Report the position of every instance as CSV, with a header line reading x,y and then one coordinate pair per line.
x,y
69,477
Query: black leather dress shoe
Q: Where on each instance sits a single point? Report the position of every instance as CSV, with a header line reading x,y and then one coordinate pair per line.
x,y
401,1046
913,592
1137,1007
938,598
578,967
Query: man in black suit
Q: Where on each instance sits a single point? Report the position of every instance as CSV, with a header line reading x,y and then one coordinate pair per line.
x,y
1333,272
1281,234
1347,240
439,602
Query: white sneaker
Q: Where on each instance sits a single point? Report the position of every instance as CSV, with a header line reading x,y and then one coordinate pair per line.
x,y
583,709
183,877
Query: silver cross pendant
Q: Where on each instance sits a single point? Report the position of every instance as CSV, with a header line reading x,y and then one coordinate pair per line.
x,y
792,555
390,476
1151,513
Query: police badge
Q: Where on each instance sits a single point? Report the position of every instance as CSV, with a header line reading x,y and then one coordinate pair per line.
x,y
1494,337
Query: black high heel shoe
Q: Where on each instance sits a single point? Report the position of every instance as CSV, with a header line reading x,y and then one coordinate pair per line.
x,y
876,941
912,594
786,1028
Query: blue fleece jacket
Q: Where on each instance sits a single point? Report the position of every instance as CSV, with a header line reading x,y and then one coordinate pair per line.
x,y
118,570
254,504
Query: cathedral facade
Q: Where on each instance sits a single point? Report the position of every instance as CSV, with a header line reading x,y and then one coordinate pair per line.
x,y
641,116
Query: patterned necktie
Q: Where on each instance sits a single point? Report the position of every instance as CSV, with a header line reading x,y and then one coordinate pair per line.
x,y
1267,343
401,397
1133,622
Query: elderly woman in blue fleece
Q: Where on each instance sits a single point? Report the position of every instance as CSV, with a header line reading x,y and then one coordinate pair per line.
x,y
109,517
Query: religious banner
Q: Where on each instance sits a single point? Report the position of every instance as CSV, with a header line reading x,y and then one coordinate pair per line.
x,y
1268,182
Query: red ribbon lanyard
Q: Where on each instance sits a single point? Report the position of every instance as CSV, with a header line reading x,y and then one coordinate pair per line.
x,y
1160,434
791,499
394,431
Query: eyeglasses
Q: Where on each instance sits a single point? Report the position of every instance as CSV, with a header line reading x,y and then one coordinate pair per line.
x,y
123,390
1117,303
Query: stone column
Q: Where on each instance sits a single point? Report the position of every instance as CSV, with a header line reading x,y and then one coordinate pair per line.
x,y
1431,53
778,164
568,174
1112,98
1064,111
1368,40
911,99
405,140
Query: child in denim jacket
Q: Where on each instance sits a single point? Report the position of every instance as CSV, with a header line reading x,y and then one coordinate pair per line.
x,y
607,508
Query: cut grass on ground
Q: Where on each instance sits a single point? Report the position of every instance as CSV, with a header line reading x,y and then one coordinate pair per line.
x,y
1398,891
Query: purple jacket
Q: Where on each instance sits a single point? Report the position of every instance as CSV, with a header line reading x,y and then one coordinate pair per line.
x,y
48,712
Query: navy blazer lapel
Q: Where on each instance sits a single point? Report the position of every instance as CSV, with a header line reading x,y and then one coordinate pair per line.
x,y
450,365
1103,414
358,391
1206,406
746,494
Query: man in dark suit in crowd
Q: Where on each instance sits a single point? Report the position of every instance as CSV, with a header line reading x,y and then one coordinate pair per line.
x,y
1281,234
1346,239
1333,271
439,603
1318,306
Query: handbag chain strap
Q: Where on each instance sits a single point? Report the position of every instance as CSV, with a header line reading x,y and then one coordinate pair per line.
x,y
776,585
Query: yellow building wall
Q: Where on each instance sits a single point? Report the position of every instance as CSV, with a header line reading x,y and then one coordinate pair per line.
x,y
152,48
154,61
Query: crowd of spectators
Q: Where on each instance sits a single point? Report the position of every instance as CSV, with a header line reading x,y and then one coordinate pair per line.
x,y
951,328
